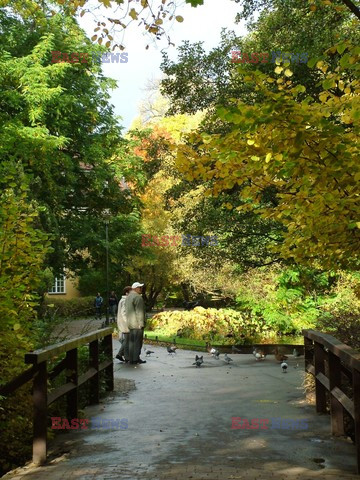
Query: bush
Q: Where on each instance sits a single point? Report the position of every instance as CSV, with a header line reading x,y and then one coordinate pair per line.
x,y
210,324
340,313
344,327
73,308
287,300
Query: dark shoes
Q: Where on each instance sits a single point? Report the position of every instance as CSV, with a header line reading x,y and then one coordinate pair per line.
x,y
119,357
138,362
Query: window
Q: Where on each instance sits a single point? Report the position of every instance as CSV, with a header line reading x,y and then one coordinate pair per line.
x,y
59,285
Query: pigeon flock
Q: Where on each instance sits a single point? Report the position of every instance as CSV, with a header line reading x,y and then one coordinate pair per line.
x,y
259,355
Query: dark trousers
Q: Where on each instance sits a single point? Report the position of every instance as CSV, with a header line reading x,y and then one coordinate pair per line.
x,y
135,343
113,311
124,349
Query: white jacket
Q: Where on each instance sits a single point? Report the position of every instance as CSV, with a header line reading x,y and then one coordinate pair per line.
x,y
121,316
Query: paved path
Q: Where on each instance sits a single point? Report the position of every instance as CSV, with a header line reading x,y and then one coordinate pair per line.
x,y
179,426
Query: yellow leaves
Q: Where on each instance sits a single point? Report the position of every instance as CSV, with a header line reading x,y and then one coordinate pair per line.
x,y
322,66
17,326
347,119
298,146
323,97
288,73
179,18
133,14
228,206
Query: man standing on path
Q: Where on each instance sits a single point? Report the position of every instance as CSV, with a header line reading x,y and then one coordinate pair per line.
x,y
98,304
113,303
123,354
135,317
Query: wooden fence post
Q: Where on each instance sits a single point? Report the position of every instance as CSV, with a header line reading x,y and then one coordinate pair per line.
x,y
356,396
336,409
308,352
320,390
109,371
94,396
40,414
72,376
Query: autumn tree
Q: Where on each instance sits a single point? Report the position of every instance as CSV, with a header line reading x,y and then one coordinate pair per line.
x,y
290,144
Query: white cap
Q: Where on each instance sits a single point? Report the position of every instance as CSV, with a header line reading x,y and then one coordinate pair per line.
x,y
137,284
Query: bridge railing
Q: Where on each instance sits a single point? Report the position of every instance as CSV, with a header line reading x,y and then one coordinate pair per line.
x,y
334,365
99,341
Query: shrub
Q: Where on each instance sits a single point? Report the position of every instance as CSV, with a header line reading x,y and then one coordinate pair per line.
x,y
286,300
340,313
73,308
343,326
210,324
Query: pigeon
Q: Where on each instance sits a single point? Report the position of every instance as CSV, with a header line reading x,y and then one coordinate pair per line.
x,y
217,355
227,359
296,353
214,352
198,361
259,354
284,366
149,352
171,350
235,350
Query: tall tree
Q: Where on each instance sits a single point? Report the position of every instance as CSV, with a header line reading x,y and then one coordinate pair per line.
x,y
292,146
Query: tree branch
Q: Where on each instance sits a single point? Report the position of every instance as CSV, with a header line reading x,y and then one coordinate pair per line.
x,y
355,10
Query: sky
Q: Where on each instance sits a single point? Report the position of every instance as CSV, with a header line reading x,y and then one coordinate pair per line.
x,y
203,23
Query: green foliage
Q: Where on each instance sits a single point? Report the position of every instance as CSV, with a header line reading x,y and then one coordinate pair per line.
x,y
78,307
16,429
211,324
23,250
340,312
57,120
21,257
270,145
286,300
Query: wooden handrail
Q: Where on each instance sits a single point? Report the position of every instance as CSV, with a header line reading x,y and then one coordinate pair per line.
x,y
38,356
38,372
328,360
348,355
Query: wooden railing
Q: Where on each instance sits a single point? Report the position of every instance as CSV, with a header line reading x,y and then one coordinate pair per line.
x,y
331,362
40,375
